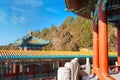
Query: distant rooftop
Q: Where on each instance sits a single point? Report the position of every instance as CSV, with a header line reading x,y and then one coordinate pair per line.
x,y
30,40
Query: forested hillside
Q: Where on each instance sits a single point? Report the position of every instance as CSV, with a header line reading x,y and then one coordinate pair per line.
x,y
73,34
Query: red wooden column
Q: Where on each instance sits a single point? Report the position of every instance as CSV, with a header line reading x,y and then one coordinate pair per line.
x,y
95,49
14,68
103,43
34,70
118,44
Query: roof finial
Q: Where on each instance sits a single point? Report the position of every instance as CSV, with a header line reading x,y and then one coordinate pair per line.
x,y
30,33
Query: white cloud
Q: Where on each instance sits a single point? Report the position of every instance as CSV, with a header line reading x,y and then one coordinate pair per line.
x,y
2,15
51,10
17,20
22,19
19,9
33,3
13,19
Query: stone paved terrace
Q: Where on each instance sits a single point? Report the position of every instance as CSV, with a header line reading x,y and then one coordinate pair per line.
x,y
116,76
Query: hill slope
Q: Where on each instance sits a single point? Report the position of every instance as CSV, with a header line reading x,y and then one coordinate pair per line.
x,y
72,34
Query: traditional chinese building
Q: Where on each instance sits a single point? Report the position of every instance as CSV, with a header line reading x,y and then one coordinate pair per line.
x,y
30,42
100,12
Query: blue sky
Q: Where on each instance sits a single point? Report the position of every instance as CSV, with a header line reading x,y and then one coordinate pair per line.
x,y
18,17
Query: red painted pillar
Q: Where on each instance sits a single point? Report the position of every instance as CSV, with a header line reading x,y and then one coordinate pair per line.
x,y
95,48
103,43
118,45
13,68
20,68
34,70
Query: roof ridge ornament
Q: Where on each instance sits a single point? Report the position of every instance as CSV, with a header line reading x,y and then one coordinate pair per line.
x,y
30,33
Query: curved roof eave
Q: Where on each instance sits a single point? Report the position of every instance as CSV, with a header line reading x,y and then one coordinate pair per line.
x,y
81,7
25,41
